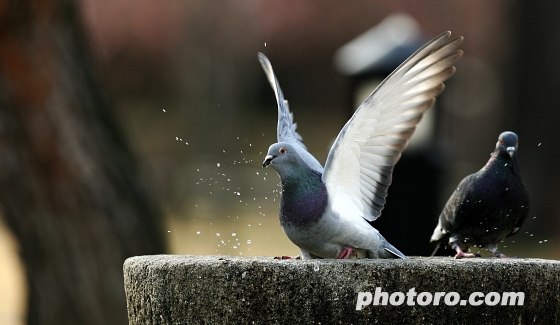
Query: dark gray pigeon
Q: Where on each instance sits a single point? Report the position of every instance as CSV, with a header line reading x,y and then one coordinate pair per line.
x,y
325,212
488,205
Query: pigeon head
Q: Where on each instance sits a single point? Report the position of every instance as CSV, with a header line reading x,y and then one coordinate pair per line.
x,y
281,156
507,143
290,158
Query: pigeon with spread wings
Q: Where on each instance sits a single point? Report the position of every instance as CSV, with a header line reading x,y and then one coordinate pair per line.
x,y
325,211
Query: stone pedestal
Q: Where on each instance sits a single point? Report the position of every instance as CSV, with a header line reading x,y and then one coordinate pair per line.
x,y
168,289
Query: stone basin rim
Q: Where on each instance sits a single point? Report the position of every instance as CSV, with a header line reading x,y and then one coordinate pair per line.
x,y
413,260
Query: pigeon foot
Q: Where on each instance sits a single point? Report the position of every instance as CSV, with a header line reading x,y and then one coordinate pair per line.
x,y
285,257
460,254
346,253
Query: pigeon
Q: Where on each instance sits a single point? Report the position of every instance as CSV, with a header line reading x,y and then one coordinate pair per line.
x,y
326,211
488,205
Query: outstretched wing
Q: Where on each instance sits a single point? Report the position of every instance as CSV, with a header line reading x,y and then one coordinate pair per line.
x,y
360,164
286,126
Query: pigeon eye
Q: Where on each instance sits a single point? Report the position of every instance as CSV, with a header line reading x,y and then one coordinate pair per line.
x,y
282,150
501,141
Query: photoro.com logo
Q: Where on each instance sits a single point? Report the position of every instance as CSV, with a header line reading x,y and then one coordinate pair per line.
x,y
412,298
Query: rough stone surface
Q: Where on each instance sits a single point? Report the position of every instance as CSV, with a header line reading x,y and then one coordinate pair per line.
x,y
167,289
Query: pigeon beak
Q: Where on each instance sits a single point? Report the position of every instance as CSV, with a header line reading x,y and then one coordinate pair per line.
x,y
511,151
267,160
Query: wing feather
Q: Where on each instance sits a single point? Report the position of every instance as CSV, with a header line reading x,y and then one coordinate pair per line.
x,y
361,161
286,131
286,126
380,178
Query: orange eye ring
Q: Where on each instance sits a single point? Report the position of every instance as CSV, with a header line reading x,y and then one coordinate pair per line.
x,y
282,150
501,141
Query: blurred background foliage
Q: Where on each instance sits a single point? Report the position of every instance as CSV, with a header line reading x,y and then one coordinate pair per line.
x,y
194,107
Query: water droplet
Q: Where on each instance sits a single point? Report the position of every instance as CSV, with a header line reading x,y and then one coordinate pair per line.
x,y
234,247
177,138
164,111
248,241
233,234
264,45
198,232
218,164
217,234
169,231
539,144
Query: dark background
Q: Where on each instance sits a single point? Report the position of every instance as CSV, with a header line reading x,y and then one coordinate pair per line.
x,y
188,99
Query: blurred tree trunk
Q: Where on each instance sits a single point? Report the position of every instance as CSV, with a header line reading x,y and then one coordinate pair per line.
x,y
69,187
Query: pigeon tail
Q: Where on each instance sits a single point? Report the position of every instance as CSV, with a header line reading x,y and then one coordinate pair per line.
x,y
436,249
390,248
